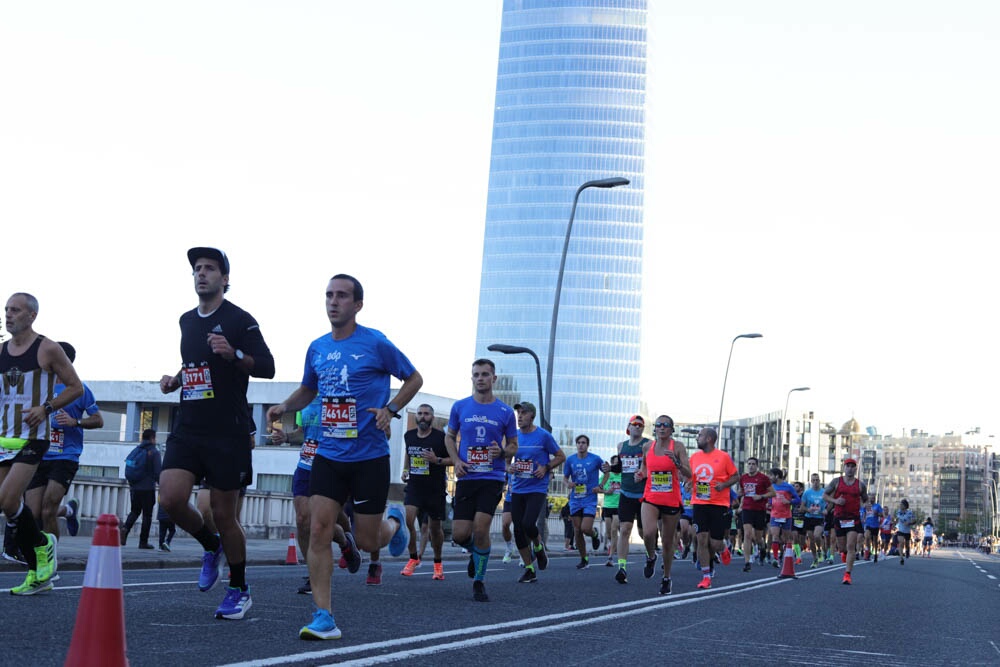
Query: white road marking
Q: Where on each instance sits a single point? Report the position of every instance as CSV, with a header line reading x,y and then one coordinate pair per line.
x,y
846,636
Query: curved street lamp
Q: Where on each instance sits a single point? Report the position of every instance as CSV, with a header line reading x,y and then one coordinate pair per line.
x,y
601,183
726,377
517,349
784,416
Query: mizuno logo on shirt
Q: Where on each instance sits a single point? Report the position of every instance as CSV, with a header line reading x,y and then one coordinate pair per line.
x,y
357,356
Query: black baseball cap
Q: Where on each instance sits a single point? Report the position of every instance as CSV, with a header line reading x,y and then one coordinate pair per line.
x,y
525,406
211,253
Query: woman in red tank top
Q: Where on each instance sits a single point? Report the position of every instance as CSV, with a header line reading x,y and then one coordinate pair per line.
x,y
664,467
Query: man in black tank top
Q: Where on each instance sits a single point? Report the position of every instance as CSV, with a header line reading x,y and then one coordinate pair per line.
x,y
29,365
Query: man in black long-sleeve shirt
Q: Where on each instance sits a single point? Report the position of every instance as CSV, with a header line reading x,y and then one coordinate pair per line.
x,y
143,492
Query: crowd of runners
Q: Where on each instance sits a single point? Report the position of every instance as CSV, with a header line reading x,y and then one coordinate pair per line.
x,y
695,505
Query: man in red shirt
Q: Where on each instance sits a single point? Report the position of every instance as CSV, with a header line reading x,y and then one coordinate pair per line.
x,y
755,489
713,473
847,493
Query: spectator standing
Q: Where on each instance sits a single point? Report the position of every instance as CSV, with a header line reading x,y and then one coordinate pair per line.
x,y
142,488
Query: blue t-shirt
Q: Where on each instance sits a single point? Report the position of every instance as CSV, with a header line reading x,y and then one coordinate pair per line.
x,y
478,426
309,419
871,516
534,449
66,443
350,376
812,500
585,474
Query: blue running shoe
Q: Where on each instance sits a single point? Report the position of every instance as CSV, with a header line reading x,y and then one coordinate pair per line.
x,y
211,568
235,605
73,520
322,627
352,555
401,538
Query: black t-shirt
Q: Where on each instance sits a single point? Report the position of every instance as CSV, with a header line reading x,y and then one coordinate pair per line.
x,y
213,390
424,475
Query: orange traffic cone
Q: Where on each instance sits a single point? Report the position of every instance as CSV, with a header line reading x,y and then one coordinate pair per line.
x,y
290,557
99,633
788,563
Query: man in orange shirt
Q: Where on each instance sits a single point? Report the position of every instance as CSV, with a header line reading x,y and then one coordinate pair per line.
x,y
713,473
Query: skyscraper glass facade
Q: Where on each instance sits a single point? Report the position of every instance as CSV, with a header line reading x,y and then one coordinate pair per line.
x,y
570,108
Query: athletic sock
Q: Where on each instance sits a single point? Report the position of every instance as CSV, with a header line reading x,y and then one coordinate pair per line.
x,y
530,566
208,540
798,551
479,561
510,549
622,563
238,575
28,535
413,555
775,550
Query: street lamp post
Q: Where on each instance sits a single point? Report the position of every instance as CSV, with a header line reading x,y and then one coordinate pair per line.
x,y
725,378
784,416
601,183
517,349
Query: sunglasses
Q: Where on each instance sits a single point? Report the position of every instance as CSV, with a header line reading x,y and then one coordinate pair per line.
x,y
663,425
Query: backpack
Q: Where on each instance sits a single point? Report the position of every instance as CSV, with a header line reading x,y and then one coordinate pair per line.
x,y
136,464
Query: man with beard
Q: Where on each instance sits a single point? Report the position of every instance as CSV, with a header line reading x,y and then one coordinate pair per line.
x,y
424,474
713,472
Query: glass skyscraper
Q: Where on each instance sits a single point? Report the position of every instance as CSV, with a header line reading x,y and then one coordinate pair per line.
x,y
570,108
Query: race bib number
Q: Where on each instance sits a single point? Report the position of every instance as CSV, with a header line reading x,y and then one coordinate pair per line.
x,y
479,459
580,489
196,383
308,452
524,468
57,438
630,463
750,489
847,523
703,491
340,417
419,465
661,482
799,523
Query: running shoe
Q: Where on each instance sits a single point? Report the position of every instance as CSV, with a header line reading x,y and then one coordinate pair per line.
x,y
520,562
146,545
621,576
479,592
471,569
45,555
351,555
528,577
876,557
322,627
211,568
847,579
706,582
813,566
774,563
665,586
798,561
374,577
609,562
506,557
541,558
235,605
410,566
73,517
746,567
647,571
306,587
14,555
31,585
165,547
726,557
595,539
902,560
401,538
583,564
687,551
438,572
342,563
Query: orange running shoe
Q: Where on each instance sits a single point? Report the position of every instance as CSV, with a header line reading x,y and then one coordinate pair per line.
x,y
438,572
706,582
410,566
847,579
726,557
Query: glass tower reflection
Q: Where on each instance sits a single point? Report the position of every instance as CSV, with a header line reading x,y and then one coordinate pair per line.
x,y
571,87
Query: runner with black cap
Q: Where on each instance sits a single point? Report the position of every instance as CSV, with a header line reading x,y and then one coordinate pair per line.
x,y
221,348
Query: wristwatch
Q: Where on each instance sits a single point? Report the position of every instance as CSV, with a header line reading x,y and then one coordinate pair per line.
x,y
239,355
79,422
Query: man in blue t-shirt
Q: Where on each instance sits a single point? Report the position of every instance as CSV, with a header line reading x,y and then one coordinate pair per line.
x,y
349,370
62,460
872,515
582,471
538,454
481,437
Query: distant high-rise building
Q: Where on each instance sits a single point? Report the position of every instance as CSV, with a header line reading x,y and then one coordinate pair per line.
x,y
570,108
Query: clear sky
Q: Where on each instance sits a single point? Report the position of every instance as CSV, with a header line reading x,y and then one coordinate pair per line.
x,y
822,173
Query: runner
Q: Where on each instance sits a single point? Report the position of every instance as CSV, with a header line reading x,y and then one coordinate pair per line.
x,y
538,455
484,422
781,527
581,471
611,486
424,471
507,522
632,452
713,473
904,526
686,524
55,473
350,369
873,519
799,523
755,489
885,533
928,537
221,348
846,494
29,365
815,506
665,463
